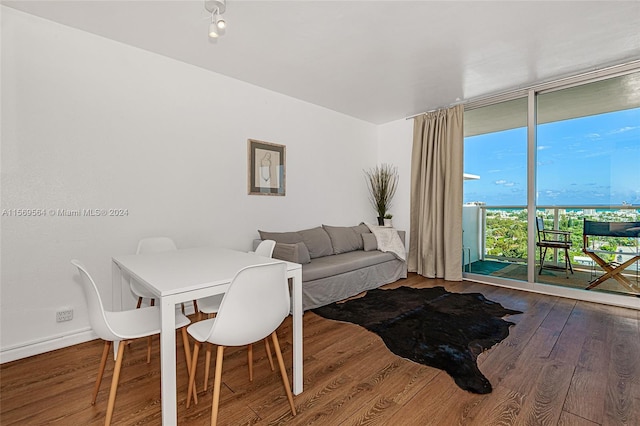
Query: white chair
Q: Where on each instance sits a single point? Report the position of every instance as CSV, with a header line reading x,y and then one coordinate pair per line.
x,y
265,248
211,305
122,326
253,308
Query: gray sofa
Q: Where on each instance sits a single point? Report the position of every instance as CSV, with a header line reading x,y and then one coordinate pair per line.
x,y
337,261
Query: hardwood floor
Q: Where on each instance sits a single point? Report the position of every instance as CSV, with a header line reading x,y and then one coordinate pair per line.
x,y
565,362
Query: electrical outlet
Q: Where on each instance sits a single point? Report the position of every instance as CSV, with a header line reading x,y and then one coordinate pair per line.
x,y
64,315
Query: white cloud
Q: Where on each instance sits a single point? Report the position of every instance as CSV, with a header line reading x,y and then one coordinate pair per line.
x,y
624,129
504,182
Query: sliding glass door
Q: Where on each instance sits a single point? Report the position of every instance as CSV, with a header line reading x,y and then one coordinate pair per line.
x,y
495,188
588,167
577,158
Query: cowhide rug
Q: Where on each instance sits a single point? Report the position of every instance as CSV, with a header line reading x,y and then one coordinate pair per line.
x,y
431,326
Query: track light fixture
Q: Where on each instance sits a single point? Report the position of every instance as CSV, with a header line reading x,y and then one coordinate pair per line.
x,y
213,30
218,23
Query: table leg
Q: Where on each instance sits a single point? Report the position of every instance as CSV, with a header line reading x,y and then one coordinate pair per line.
x,y
297,332
168,361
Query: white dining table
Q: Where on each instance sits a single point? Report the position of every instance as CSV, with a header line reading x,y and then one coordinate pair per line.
x,y
190,274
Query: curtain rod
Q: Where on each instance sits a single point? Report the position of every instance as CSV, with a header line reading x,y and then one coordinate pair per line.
x,y
436,109
578,78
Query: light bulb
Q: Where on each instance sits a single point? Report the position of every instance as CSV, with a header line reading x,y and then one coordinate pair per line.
x,y
213,30
220,22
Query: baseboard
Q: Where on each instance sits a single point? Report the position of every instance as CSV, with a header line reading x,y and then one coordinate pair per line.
x,y
37,347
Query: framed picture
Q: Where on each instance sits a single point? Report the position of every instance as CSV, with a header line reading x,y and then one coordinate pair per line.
x,y
266,168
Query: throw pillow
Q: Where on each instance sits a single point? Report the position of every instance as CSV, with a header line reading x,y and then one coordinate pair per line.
x,y
303,253
343,239
361,229
296,253
370,242
317,241
288,252
281,237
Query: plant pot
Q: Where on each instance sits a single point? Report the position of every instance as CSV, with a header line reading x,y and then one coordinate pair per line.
x,y
387,222
380,221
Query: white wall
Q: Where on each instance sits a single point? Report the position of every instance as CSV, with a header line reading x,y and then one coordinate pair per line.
x,y
395,145
89,123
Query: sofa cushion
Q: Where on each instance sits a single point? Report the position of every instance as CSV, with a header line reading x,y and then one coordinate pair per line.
x,y
369,241
340,263
281,237
296,253
344,239
361,229
317,241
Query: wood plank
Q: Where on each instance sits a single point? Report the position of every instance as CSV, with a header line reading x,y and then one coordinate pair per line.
x,y
568,419
443,404
586,395
544,397
564,362
622,403
502,408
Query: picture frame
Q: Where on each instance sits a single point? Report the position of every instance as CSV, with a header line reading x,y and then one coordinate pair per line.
x,y
266,167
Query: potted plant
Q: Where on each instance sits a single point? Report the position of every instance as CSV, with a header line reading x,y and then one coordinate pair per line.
x,y
382,182
387,219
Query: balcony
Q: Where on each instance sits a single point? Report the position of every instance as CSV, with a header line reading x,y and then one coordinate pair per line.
x,y
495,244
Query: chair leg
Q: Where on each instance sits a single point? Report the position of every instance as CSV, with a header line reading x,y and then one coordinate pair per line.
x,y
114,384
283,372
187,348
152,302
250,361
570,266
542,256
139,303
192,374
187,357
216,386
267,347
207,364
207,359
103,363
567,261
149,349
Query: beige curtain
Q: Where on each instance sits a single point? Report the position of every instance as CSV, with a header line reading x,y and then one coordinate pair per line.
x,y
435,245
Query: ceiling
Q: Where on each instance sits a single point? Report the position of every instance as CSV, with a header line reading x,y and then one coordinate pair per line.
x,y
378,61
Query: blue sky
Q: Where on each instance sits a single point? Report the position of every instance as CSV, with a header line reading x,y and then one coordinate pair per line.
x,y
591,160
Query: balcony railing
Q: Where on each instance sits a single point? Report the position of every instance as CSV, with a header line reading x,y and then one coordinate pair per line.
x,y
500,232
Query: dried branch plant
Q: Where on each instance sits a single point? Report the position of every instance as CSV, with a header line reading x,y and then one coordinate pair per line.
x,y
382,182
